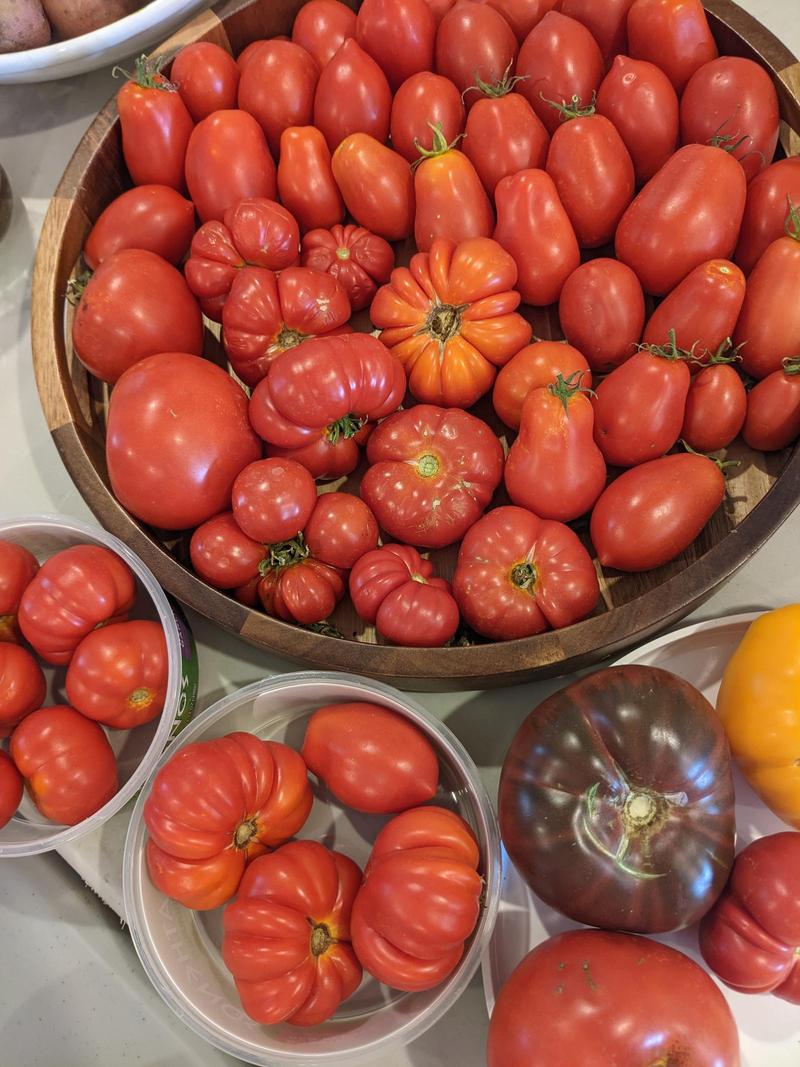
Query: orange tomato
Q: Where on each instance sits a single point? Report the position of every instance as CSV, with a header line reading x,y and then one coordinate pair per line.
x,y
444,178
534,367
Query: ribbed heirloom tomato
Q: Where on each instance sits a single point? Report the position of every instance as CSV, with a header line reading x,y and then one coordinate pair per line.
x,y
360,261
296,586
22,686
18,568
534,367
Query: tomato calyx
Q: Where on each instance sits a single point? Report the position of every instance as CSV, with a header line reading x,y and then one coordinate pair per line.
x,y
147,74
494,90
723,464
444,322
670,350
791,367
524,576
439,147
419,578
726,353
140,698
564,389
428,466
321,939
342,252
792,224
288,338
325,628
76,287
284,554
574,109
347,426
244,833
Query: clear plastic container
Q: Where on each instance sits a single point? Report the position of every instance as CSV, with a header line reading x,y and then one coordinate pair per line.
x,y
179,948
137,750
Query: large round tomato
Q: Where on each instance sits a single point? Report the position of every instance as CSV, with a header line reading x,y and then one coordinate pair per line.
x,y
518,575
18,568
341,530
296,586
286,936
504,135
67,763
474,41
322,26
222,555
376,185
215,805
305,180
765,212
716,407
421,104
360,261
227,160
607,23
153,217
11,788
272,499
22,686
353,96
399,35
207,78
773,409
277,89
601,311
534,367
177,436
443,178
156,127
673,34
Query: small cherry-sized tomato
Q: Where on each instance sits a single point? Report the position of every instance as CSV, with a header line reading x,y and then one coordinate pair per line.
x,y
673,34
393,588
22,686
154,217
523,15
607,23
474,41
422,103
764,220
272,499
277,89
443,178
74,591
227,160
341,530
534,367
207,78
650,514
11,788
18,568
297,587
305,180
118,674
352,96
360,261
322,27
330,452
601,311
67,763
399,35
773,409
222,555
371,758
716,407
377,186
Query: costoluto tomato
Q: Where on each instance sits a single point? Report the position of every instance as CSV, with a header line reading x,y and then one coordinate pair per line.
x,y
18,568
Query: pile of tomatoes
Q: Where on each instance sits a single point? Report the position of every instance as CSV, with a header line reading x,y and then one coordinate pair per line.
x,y
603,159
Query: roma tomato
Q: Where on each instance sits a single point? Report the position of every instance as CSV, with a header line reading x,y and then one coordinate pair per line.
x,y
360,261
11,788
399,35
297,587
118,674
228,160
352,96
177,437
272,499
214,806
134,305
67,763
688,213
422,103
440,8
153,217
652,513
156,127
432,474
341,530
222,555
305,180
765,211
773,409
18,568
443,178
534,227
286,936
322,26
554,467
618,998
559,60
420,899
277,89
607,23
518,575
393,588
377,186
601,311
534,367
640,100
504,135
371,759
76,590
716,407
450,318
474,41
673,34
207,78
22,686
523,15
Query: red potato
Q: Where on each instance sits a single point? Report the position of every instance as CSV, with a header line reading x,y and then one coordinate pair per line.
x,y
207,78
72,18
602,311
23,25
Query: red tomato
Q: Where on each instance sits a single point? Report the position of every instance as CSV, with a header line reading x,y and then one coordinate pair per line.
x,y
440,8
377,186
286,936
272,499
156,127
248,52
518,575
207,78
76,590
560,60
11,783
601,311
443,178
213,263
69,766
221,803
399,35
322,26
474,41
393,588
503,136
420,899
222,555
277,89
177,436
652,513
153,217
593,174
639,99
609,998
773,409
371,759
432,474
673,34
228,160
421,103
22,686
534,227
531,368
305,180
554,467
341,530
18,568
266,314
353,96
360,261
330,452
715,408
765,212
248,593
607,23
688,213
523,15
118,674
134,305
296,587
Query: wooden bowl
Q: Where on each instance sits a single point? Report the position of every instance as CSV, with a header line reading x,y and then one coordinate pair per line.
x,y
762,492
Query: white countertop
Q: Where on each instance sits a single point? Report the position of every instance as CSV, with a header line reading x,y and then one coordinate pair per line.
x,y
72,992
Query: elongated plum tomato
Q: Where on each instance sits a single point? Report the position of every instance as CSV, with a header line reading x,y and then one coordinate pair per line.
x,y
352,96
523,15
154,217
399,35
716,406
371,758
277,89
443,178
474,41
504,135
773,409
22,686
207,78
673,34
227,160
607,23
305,180
766,209
11,788
341,530
376,185
18,568
601,311
424,101
322,26
272,499
222,555
534,367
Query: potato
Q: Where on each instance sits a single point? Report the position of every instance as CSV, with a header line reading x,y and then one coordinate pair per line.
x,y
71,18
22,25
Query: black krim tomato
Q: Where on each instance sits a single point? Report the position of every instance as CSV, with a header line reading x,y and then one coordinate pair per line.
x,y
616,801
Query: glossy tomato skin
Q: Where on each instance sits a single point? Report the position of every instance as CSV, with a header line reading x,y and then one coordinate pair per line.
x,y
74,591
773,410
371,759
277,89
607,23
341,530
305,180
325,455
376,185
322,26
213,263
228,159
206,77
272,499
22,686
534,367
440,181
222,555
67,762
154,217
769,324
399,35
766,210
534,227
640,100
519,575
360,261
18,568
304,590
425,100
673,34
652,513
286,936
504,135
177,436
716,407
601,311
617,999
352,96
474,41
11,788
156,127
263,232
